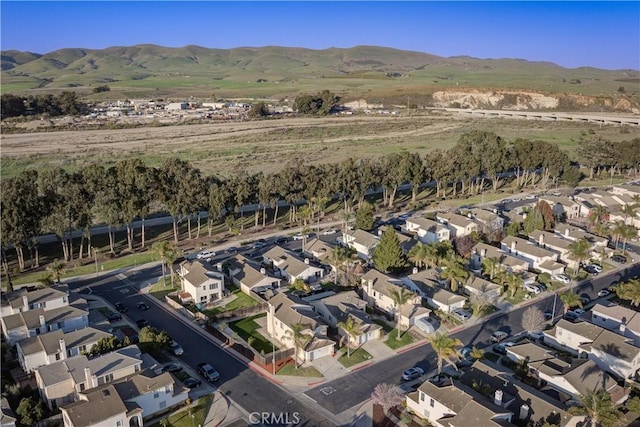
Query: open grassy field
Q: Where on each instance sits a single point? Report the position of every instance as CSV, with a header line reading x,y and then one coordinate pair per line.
x,y
268,145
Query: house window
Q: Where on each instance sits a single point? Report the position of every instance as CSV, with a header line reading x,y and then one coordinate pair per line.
x,y
82,348
44,304
118,423
213,286
162,404
57,356
422,397
65,300
136,368
203,299
432,403
82,386
156,394
204,287
60,325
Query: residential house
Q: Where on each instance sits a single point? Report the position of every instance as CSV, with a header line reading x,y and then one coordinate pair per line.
x,y
505,261
57,345
478,287
489,221
284,312
617,319
290,267
529,405
201,281
59,383
564,208
616,354
630,190
427,284
362,242
427,231
251,277
573,233
458,225
145,394
554,243
453,404
406,242
30,323
377,289
340,307
7,417
22,300
572,337
537,257
319,250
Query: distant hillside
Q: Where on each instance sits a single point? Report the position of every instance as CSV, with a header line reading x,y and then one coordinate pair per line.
x,y
280,72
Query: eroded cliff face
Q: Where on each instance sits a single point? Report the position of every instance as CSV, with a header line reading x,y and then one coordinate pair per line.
x,y
522,100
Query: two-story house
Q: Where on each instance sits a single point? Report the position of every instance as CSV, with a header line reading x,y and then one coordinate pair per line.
x,y
427,284
573,233
616,353
57,345
318,249
338,308
362,242
554,243
59,383
249,276
23,300
427,231
487,220
30,323
617,319
478,286
571,337
537,257
563,207
377,289
290,267
286,311
506,262
458,225
201,281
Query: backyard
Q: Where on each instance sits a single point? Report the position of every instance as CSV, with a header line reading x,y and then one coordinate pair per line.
x,y
188,417
247,329
238,300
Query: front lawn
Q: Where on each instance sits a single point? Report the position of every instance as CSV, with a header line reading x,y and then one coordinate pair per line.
x,y
517,298
241,300
188,417
159,290
302,371
394,343
357,356
104,311
385,326
247,329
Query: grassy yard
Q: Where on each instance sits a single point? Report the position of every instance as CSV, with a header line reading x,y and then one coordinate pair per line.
x,y
357,356
492,357
247,330
241,300
393,342
302,371
182,375
105,311
385,326
517,298
189,417
160,290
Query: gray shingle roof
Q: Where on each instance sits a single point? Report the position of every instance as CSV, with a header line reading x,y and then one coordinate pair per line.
x,y
101,404
291,310
31,318
199,272
50,342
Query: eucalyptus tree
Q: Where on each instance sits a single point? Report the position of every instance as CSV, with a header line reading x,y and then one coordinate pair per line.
x,y
218,195
436,167
131,186
395,175
369,178
108,204
240,185
414,172
175,177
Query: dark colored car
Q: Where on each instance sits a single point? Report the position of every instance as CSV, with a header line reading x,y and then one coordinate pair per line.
x,y
114,317
142,306
548,315
619,258
208,372
172,367
591,270
281,240
120,307
191,382
142,323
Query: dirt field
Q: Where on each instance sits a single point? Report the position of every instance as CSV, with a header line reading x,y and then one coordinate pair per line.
x,y
270,144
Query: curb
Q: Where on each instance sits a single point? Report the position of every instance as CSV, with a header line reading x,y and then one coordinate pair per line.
x,y
362,366
411,347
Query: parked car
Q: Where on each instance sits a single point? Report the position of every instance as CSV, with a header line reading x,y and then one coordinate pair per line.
x,y
176,349
281,240
206,255
208,372
142,306
579,311
260,243
596,267
461,314
142,323
534,289
114,317
299,236
120,307
498,336
585,299
501,348
329,231
412,373
603,293
172,367
466,359
232,250
562,278
571,315
619,258
191,382
613,286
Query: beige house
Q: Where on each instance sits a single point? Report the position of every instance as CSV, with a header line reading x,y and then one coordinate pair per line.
x,y
23,300
51,347
458,224
489,221
318,250
59,383
617,319
340,307
377,290
573,233
554,243
616,354
428,286
478,286
201,281
290,267
362,242
427,231
26,324
285,312
564,207
537,257
505,261
570,337
249,276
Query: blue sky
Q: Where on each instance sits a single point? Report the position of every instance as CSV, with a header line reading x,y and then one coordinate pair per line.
x,y
571,34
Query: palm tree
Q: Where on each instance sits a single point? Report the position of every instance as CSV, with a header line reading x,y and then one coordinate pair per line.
x,y
388,396
400,297
630,291
445,348
476,353
602,229
491,265
598,215
46,280
346,217
514,282
444,251
599,409
167,254
300,336
455,272
418,254
570,299
617,231
627,232
341,257
431,255
579,251
629,211
57,269
352,330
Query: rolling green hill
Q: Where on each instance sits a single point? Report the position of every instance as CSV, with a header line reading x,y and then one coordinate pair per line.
x,y
150,70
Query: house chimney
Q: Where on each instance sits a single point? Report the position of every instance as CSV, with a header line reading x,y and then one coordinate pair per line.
x,y
43,323
541,239
524,412
513,246
566,232
25,302
623,328
497,399
483,253
415,270
219,266
63,349
263,271
88,378
306,261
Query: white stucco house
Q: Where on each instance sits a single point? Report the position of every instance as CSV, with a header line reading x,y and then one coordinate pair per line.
x,y
249,276
458,225
201,281
290,267
427,231
362,242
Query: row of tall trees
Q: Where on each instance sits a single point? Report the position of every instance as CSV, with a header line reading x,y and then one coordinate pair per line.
x,y
56,200
67,103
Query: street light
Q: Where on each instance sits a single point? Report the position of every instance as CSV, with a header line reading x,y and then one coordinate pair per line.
x,y
95,257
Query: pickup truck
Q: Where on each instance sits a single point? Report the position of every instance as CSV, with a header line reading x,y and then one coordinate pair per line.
x,y
208,372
